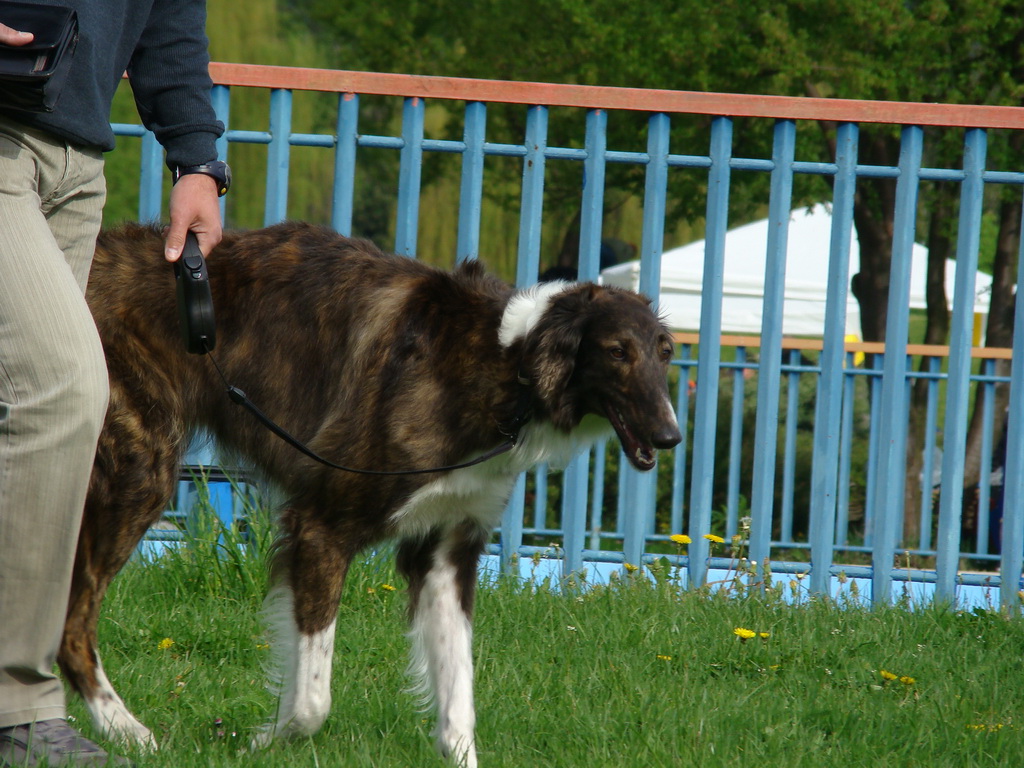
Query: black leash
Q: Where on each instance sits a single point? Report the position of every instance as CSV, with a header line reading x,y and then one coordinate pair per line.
x,y
198,330
240,398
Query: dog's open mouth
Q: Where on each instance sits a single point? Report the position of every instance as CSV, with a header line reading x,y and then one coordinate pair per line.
x,y
641,455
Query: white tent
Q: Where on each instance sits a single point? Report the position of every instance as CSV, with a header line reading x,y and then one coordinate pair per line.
x,y
682,275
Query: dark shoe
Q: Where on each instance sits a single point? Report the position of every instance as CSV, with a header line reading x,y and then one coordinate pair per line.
x,y
51,743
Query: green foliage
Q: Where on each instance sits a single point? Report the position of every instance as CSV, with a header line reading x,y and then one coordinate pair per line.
x,y
637,672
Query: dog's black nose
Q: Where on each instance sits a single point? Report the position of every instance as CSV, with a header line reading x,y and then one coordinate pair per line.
x,y
667,437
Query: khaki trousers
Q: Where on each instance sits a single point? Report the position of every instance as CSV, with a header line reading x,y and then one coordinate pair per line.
x,y
53,396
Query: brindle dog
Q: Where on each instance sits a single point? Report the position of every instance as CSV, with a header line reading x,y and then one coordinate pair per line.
x,y
376,361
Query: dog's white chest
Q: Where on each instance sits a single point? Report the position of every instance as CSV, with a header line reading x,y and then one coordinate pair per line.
x,y
476,494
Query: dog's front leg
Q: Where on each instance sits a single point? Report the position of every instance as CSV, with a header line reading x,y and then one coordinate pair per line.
x,y
303,670
302,610
441,570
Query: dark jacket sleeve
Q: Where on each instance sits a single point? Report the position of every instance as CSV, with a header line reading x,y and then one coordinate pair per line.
x,y
169,74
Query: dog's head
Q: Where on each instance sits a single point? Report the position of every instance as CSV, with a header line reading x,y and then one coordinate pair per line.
x,y
591,349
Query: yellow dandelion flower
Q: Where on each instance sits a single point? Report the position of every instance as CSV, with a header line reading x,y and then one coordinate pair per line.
x,y
764,635
744,634
680,538
662,657
714,539
630,568
165,644
907,680
387,587
887,676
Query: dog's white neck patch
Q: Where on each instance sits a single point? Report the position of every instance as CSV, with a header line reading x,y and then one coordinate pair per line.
x,y
526,308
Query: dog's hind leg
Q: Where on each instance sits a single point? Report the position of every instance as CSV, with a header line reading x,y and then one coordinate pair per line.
x,y
130,486
441,569
302,610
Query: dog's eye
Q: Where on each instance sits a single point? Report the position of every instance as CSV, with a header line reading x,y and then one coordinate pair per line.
x,y
617,353
666,354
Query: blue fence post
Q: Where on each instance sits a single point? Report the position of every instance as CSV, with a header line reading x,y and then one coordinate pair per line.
x,y
278,157
511,537
343,202
151,178
471,193
709,355
928,464
530,217
575,482
893,411
789,450
680,452
985,480
652,241
958,382
641,488
780,203
592,207
831,391
574,513
532,207
735,462
597,492
1012,558
843,485
221,98
409,174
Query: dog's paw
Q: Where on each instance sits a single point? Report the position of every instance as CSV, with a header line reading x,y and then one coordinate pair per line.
x,y
116,723
263,738
134,735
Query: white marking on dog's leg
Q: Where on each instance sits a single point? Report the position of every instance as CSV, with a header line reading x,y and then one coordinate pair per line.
x,y
112,718
442,660
303,673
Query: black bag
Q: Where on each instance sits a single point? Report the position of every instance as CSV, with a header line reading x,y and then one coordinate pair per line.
x,y
32,76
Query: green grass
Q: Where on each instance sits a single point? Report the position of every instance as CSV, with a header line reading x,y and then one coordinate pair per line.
x,y
635,674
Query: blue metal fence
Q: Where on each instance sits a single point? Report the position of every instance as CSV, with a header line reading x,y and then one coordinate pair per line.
x,y
590,527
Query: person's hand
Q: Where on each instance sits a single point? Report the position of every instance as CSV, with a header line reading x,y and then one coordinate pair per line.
x,y
10,36
194,206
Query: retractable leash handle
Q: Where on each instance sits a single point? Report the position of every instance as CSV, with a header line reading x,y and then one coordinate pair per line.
x,y
195,302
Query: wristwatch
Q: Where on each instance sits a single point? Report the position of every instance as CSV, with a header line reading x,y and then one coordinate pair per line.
x,y
217,170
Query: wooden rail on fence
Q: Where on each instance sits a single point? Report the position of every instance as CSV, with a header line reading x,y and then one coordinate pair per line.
x,y
633,99
867,347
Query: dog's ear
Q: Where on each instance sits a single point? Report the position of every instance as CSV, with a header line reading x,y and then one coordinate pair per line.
x,y
551,348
